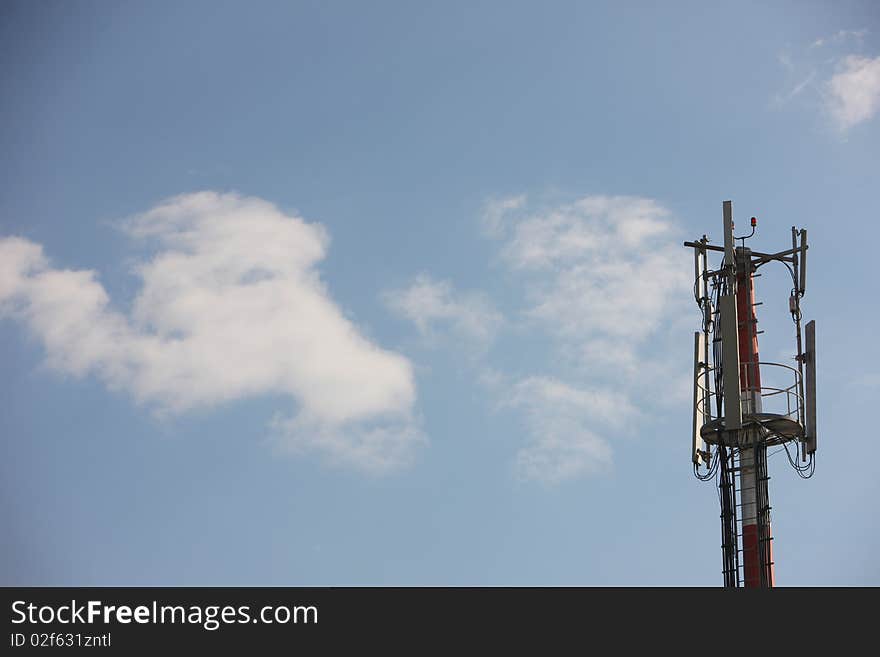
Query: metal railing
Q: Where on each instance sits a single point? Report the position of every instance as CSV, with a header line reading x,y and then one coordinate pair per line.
x,y
783,399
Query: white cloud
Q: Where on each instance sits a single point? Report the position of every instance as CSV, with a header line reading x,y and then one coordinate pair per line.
x,y
562,423
807,82
578,231
831,75
785,59
231,306
606,279
604,272
853,92
495,211
840,35
430,304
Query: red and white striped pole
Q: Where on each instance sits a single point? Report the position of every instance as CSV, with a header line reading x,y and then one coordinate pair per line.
x,y
750,394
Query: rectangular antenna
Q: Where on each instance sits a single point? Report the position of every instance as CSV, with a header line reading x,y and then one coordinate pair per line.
x,y
810,401
794,250
699,401
698,273
727,208
803,276
730,361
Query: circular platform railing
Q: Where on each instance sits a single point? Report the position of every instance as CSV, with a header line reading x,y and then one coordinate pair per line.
x,y
780,410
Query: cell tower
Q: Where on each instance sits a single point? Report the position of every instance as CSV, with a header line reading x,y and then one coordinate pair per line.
x,y
737,416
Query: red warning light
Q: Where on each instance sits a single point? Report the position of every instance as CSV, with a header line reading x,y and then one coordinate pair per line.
x,y
754,222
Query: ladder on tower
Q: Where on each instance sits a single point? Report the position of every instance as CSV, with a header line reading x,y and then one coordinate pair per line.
x,y
734,541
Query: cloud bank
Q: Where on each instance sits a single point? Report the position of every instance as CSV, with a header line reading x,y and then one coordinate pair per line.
x,y
231,306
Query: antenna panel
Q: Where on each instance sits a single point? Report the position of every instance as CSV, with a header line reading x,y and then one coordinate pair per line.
x,y
803,277
727,208
810,393
699,398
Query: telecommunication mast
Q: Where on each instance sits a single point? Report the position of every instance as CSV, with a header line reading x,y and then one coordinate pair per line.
x,y
736,414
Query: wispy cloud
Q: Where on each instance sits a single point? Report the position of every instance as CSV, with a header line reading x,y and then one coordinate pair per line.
x,y
602,272
785,59
605,280
564,424
497,210
828,74
231,306
782,98
840,36
435,307
854,91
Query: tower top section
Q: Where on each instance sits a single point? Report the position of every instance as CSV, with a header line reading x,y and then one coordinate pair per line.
x,y
732,406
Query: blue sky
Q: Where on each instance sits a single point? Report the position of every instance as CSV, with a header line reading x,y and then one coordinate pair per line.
x,y
394,293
